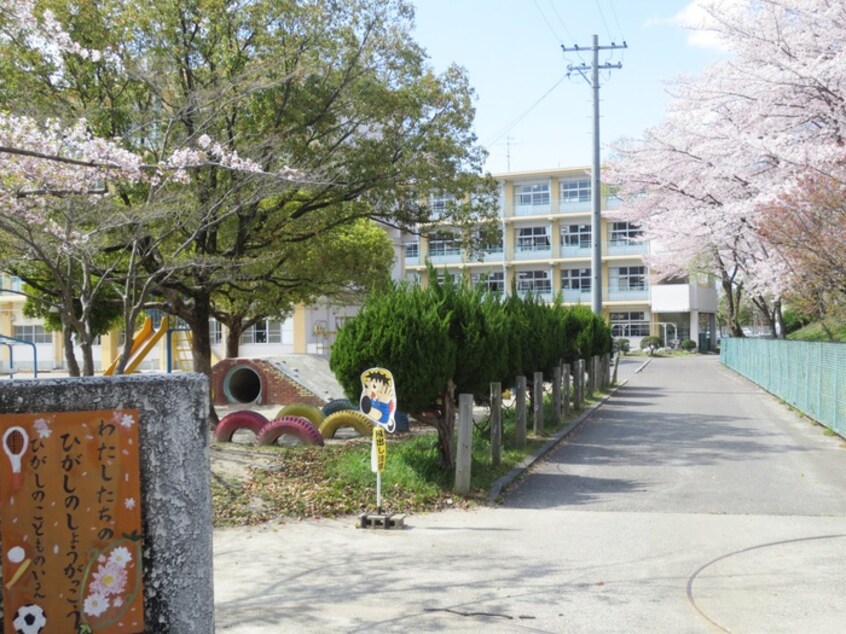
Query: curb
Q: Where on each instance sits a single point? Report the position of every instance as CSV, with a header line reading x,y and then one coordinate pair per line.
x,y
499,487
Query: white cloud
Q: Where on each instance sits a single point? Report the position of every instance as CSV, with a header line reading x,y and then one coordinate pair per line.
x,y
697,21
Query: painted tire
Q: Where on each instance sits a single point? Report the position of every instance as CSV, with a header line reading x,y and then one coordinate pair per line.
x,y
338,405
346,418
296,426
402,422
309,412
234,421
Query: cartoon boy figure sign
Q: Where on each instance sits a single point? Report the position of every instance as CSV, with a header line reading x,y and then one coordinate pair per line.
x,y
379,397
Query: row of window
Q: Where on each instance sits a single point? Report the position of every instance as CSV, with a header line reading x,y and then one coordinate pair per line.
x,y
574,190
264,332
537,194
531,239
622,278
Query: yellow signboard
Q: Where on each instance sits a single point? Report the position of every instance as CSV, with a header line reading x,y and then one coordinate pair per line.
x,y
379,453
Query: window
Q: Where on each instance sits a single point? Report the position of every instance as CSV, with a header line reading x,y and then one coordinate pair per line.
x,y
265,332
34,333
576,280
215,331
443,244
531,195
534,281
493,281
628,278
632,324
575,191
577,236
12,283
492,241
533,239
412,250
623,233
439,203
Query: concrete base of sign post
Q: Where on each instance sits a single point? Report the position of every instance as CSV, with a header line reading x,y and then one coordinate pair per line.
x,y
175,481
381,520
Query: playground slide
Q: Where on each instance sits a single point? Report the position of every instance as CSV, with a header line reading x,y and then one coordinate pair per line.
x,y
142,342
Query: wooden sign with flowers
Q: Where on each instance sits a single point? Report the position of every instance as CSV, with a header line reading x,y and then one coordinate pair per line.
x,y
71,522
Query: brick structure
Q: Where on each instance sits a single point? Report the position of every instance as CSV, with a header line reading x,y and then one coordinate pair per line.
x,y
258,382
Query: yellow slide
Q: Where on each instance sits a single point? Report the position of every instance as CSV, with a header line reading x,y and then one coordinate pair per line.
x,y
142,342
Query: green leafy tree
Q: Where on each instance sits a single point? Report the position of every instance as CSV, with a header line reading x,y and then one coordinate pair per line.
x,y
332,103
341,266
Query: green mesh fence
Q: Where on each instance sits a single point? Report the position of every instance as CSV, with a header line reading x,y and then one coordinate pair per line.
x,y
809,376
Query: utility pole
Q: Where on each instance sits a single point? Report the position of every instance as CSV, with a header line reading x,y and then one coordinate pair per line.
x,y
596,201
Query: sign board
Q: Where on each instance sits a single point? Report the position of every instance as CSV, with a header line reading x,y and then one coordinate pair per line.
x,y
71,522
379,397
379,451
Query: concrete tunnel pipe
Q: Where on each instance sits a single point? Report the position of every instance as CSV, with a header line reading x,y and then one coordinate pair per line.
x,y
242,384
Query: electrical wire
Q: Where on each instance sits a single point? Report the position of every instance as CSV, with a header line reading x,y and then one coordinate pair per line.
x,y
602,15
616,20
525,113
564,26
543,15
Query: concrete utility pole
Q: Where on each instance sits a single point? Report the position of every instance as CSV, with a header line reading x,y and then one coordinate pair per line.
x,y
596,201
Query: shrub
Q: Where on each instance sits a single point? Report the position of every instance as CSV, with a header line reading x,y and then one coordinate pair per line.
x,y
688,345
623,345
650,343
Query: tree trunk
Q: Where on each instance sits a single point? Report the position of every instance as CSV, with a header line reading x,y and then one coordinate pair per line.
x,y
70,357
198,321
446,428
764,308
733,305
779,318
87,359
233,339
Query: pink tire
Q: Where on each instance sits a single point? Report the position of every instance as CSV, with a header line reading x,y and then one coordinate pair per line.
x,y
234,421
296,426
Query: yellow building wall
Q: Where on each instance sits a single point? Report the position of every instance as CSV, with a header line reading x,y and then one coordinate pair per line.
x,y
300,329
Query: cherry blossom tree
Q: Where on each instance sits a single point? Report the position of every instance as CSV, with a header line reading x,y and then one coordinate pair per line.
x,y
738,136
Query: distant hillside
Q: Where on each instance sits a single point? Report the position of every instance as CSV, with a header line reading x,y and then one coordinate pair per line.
x,y
815,332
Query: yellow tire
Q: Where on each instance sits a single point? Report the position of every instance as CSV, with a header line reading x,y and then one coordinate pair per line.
x,y
309,412
346,418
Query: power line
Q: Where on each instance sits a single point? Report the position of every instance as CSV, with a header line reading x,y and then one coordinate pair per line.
x,y
616,20
543,15
523,115
563,25
602,15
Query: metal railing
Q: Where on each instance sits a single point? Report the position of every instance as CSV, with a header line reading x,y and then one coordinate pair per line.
x,y
807,375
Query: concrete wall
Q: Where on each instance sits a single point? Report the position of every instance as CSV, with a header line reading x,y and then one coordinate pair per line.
x,y
175,481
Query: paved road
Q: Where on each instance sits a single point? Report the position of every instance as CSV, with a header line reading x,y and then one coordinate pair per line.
x,y
690,502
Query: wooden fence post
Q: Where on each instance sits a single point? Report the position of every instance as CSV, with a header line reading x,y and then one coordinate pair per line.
x,y
556,395
496,423
464,451
520,406
537,402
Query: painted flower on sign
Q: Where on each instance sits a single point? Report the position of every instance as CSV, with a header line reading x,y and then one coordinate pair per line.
x,y
95,604
108,586
42,428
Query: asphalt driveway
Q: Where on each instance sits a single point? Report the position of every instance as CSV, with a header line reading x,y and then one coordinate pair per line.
x,y
691,501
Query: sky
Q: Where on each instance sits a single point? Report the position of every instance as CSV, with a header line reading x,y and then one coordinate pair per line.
x,y
511,50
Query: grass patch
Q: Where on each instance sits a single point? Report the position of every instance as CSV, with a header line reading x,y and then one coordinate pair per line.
x,y
312,482
816,332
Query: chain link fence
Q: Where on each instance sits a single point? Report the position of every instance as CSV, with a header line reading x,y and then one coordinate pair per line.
x,y
809,376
